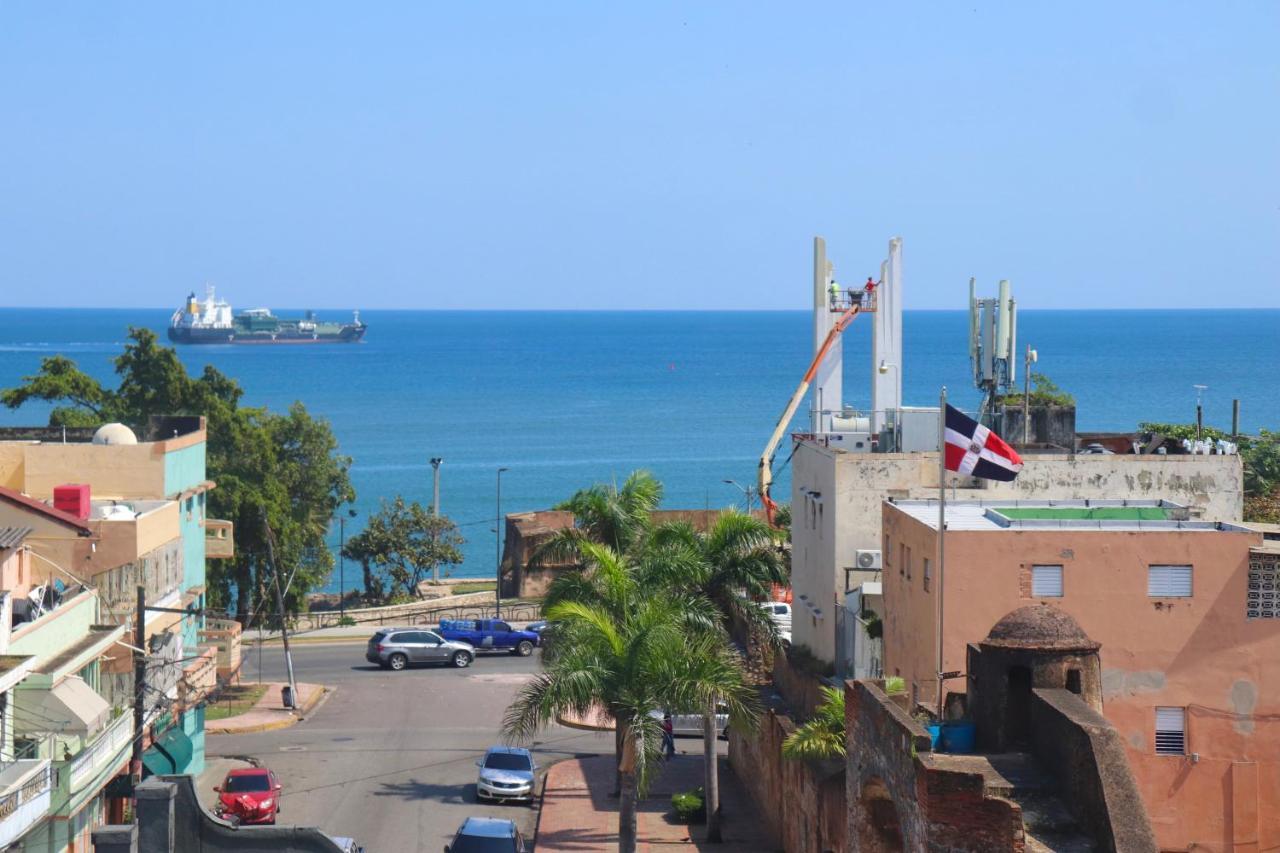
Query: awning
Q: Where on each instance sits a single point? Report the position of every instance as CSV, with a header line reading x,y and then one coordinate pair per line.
x,y
171,753
71,706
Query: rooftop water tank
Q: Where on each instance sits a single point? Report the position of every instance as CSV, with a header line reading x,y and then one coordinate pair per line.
x,y
114,434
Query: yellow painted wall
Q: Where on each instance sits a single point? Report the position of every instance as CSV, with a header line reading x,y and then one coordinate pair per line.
x,y
12,457
114,471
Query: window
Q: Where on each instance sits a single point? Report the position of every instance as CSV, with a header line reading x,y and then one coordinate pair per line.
x,y
906,561
1171,731
928,574
1046,581
888,553
1169,581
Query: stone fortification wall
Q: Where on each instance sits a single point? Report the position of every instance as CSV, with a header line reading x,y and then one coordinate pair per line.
x,y
800,803
1087,756
476,605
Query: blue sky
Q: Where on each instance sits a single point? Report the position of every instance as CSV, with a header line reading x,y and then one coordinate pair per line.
x,y
560,155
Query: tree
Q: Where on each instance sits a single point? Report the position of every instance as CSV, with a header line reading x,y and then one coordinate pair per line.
x,y
632,653
1259,454
617,517
402,542
736,563
824,735
284,466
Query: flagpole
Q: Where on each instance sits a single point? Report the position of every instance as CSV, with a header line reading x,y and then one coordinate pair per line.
x,y
942,532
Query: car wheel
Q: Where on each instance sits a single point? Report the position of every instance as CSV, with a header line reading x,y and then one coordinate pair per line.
x,y
524,648
461,660
397,662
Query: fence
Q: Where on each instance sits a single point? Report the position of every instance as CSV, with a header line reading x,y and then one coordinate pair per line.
x,y
480,605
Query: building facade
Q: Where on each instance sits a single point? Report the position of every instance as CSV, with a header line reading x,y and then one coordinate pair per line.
x,y
836,516
1189,645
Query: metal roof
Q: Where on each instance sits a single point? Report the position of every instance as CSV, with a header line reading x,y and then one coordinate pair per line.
x,y
11,537
18,499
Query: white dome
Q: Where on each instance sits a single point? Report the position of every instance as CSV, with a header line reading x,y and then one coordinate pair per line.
x,y
114,434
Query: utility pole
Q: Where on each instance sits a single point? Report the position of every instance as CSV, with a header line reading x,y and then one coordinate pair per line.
x,y
497,537
1032,358
284,624
139,680
1200,389
435,511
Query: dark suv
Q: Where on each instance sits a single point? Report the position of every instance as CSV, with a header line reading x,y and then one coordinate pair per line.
x,y
487,835
397,648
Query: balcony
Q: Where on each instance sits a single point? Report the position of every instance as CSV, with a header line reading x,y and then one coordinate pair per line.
x,y
219,542
105,753
25,795
224,635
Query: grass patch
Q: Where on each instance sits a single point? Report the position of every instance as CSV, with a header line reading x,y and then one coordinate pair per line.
x,y
478,586
234,700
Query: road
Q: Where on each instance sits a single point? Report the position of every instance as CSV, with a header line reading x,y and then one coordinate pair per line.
x,y
389,758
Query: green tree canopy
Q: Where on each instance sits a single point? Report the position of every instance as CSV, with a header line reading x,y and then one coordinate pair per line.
x,y
284,466
400,544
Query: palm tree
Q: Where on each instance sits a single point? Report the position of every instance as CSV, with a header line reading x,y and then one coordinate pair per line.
x,y
633,654
824,735
734,564
617,517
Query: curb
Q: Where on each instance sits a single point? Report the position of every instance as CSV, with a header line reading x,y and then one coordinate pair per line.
x,y
284,722
582,727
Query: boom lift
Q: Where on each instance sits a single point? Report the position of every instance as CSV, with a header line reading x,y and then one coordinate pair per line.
x,y
851,303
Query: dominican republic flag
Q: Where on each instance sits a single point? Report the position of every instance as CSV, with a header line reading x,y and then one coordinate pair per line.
x,y
974,450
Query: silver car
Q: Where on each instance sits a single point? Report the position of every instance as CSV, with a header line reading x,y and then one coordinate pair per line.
x,y
691,724
506,773
397,648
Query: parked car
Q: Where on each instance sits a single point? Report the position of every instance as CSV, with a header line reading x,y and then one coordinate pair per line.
x,y
250,795
487,835
346,845
691,724
397,648
490,635
506,773
780,613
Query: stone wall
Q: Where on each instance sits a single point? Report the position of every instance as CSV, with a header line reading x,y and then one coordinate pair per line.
x,y
898,800
476,605
800,803
801,690
1087,756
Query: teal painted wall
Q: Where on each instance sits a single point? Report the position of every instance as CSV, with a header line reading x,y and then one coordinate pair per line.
x,y
184,469
193,725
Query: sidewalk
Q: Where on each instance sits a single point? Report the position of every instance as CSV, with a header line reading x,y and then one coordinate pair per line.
x,y
578,813
269,713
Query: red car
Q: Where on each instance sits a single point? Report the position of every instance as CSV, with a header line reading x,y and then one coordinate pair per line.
x,y
251,795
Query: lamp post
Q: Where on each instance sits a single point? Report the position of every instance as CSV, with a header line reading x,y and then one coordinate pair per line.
x,y
342,563
1032,358
747,491
1200,389
497,539
435,511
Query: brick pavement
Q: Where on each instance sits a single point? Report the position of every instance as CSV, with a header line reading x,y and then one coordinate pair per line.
x,y
579,814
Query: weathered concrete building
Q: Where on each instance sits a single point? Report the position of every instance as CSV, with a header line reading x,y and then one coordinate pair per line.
x,y
836,497
1185,615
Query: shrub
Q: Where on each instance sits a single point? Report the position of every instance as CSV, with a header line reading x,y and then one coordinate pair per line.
x,y
895,684
346,621
802,658
1044,392
689,806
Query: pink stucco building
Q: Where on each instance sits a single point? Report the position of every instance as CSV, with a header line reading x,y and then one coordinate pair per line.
x,y
1187,616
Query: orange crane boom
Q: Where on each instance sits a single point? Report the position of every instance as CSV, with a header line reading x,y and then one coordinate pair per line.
x,y
766,458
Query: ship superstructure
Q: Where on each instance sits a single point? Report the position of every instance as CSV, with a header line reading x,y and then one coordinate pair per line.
x,y
211,321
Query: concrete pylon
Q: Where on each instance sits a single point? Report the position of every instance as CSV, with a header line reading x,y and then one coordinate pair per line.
x,y
886,340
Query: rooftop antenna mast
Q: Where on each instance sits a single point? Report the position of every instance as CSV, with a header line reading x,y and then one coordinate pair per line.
x,y
993,341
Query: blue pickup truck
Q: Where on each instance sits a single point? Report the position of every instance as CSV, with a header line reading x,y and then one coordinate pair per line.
x,y
489,635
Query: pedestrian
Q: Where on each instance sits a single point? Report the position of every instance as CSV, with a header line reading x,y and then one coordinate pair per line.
x,y
668,737
835,295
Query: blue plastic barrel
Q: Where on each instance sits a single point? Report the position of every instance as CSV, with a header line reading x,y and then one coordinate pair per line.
x,y
935,734
959,736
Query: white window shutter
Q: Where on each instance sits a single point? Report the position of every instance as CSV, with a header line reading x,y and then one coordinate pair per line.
x,y
1171,731
1169,581
1046,581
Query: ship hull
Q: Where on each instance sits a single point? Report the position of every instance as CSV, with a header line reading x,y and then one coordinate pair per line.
x,y
188,335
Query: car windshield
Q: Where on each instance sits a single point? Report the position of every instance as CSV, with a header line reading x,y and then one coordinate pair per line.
x,y
476,844
241,784
507,761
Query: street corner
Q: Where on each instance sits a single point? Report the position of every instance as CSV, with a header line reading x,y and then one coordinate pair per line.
x,y
268,712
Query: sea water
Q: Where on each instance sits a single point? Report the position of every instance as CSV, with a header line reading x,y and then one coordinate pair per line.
x,y
565,399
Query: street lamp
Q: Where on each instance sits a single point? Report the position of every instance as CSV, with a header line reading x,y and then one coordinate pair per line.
x,y
342,563
435,484
1200,389
497,539
747,491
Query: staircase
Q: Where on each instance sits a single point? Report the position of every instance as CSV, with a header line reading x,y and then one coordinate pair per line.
x,y
1048,824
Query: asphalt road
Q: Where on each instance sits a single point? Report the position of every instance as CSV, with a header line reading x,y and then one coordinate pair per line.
x,y
389,758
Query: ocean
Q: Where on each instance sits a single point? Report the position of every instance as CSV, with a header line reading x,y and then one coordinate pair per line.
x,y
565,399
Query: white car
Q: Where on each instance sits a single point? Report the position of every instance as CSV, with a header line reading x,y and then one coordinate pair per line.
x,y
691,724
506,773
780,613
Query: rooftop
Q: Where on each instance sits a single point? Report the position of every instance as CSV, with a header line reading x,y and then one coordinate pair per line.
x,y
11,537
22,501
1099,515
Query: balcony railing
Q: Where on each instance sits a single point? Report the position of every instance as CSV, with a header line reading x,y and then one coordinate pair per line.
x,y
219,540
25,795
105,748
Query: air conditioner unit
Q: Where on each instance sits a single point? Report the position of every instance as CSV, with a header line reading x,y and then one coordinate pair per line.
x,y
867,560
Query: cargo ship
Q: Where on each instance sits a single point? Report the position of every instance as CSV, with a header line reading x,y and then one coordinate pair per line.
x,y
211,321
